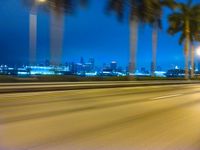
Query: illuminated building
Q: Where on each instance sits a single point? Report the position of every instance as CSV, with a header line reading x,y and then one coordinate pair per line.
x,y
113,66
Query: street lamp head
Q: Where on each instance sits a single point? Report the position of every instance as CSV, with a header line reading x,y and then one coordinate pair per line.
x,y
41,1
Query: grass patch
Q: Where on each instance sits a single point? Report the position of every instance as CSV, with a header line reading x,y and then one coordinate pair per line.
x,y
70,78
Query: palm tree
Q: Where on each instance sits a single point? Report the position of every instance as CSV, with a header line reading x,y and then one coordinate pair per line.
x,y
140,11
153,10
131,7
152,13
57,8
185,20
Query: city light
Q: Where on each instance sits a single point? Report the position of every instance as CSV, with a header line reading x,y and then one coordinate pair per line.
x,y
198,51
41,1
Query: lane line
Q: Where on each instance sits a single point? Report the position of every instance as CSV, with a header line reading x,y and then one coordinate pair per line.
x,y
167,96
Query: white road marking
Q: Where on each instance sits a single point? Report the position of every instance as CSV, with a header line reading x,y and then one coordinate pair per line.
x,y
167,96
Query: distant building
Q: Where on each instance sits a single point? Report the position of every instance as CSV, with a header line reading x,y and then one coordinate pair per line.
x,y
106,72
47,63
41,70
105,66
144,71
198,66
92,62
159,68
113,66
88,67
5,70
82,60
81,68
160,73
78,68
119,69
175,73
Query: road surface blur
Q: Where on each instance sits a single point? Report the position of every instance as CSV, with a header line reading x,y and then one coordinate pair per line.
x,y
157,117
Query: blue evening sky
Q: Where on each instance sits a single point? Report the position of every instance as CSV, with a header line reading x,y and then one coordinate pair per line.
x,y
88,33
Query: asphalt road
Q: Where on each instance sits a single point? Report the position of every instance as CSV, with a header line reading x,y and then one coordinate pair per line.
x,y
124,118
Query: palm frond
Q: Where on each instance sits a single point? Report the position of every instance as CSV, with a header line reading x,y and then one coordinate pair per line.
x,y
177,21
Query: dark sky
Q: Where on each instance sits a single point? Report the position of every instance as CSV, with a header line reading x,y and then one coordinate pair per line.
x,y
88,33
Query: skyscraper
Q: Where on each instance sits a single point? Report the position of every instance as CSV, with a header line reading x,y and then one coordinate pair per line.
x,y
92,61
82,60
113,66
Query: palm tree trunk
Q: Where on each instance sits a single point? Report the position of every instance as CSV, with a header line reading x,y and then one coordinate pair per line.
x,y
192,60
187,46
56,36
133,45
32,36
186,62
154,49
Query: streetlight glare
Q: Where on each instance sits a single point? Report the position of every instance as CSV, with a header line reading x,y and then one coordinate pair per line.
x,y
41,1
198,51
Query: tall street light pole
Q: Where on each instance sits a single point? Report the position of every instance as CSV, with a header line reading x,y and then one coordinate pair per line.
x,y
33,31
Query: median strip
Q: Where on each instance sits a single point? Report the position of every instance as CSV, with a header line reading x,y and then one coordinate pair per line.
x,y
62,87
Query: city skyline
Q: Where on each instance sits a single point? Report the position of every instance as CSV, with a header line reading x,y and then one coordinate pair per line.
x,y
104,39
